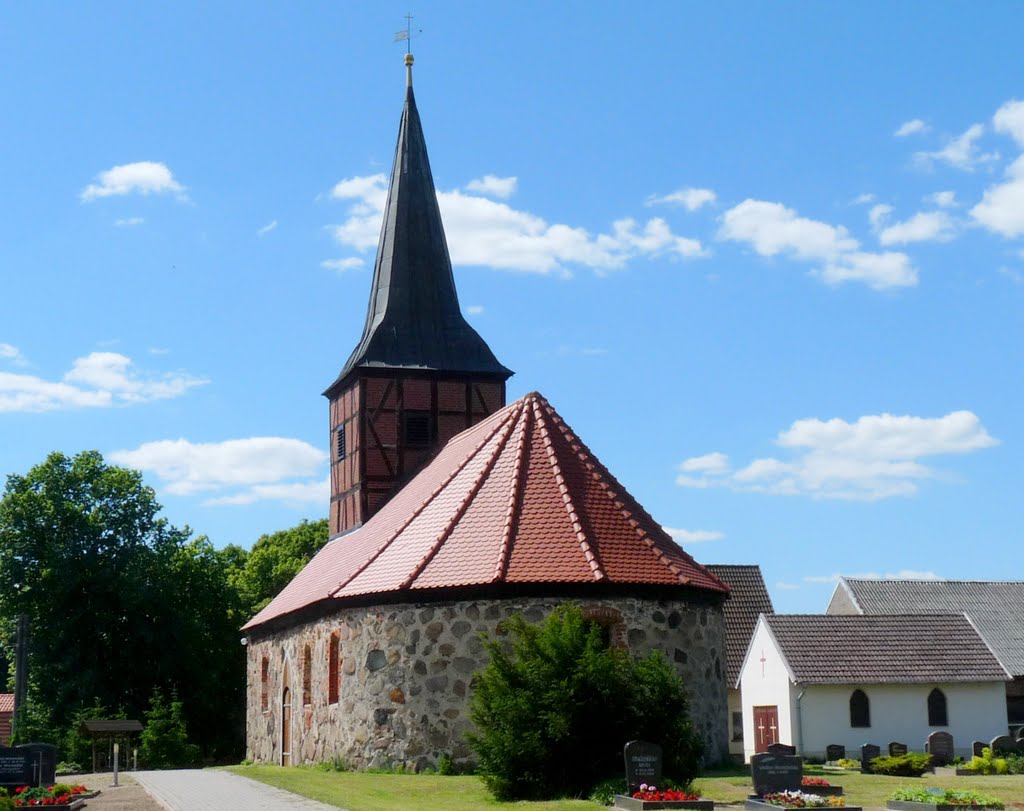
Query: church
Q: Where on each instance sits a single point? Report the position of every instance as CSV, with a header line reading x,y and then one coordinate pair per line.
x,y
450,511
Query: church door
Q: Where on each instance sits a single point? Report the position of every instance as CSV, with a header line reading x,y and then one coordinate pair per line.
x,y
286,728
766,728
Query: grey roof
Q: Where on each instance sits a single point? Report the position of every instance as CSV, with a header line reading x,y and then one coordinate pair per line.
x,y
117,726
748,599
995,607
866,649
414,321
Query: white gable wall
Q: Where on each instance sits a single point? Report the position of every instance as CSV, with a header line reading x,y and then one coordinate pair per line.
x,y
899,712
765,684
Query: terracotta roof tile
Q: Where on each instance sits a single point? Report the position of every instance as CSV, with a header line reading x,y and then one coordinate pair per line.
x,y
6,702
518,499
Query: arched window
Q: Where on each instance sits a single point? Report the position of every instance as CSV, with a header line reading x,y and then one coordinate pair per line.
x,y
333,666
937,715
265,684
307,675
860,709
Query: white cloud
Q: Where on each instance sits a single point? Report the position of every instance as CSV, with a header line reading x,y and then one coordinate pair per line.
x,y
236,471
1001,209
266,229
925,226
913,127
879,214
876,457
488,233
129,222
13,354
772,229
1014,276
491,186
902,574
685,536
97,380
341,265
689,198
1009,120
144,177
942,199
960,152
863,199
781,585
475,309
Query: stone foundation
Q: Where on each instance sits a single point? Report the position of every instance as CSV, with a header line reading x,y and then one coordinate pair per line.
x,y
405,673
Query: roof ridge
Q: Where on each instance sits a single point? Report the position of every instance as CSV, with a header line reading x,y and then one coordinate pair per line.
x,y
514,498
460,511
426,502
570,507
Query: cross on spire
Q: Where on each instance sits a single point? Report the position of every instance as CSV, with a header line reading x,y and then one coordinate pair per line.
x,y
407,35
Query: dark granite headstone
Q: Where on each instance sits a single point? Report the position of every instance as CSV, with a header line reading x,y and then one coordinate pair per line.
x,y
775,773
977,747
835,752
16,767
643,764
897,749
780,749
940,747
44,762
1003,743
867,752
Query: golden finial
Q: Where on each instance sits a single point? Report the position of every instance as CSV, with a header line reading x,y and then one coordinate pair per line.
x,y
408,60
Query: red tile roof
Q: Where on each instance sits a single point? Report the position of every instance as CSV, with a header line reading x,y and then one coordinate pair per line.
x,y
6,702
516,498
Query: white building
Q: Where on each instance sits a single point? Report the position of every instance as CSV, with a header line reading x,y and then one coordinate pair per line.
x,y
811,680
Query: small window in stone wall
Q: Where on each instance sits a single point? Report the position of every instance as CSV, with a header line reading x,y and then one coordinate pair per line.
x,y
613,629
307,675
265,684
333,667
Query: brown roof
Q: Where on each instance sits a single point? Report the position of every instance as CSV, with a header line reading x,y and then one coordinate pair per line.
x,y
116,726
515,499
6,702
906,648
748,599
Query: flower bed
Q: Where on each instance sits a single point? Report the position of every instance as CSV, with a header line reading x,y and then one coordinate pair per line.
x,y
649,797
796,799
819,785
919,799
58,797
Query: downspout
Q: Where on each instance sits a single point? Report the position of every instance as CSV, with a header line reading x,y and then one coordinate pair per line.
x,y
800,725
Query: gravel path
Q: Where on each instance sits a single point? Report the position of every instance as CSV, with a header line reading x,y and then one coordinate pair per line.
x,y
207,790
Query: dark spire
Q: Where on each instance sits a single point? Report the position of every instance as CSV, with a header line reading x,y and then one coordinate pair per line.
x,y
414,321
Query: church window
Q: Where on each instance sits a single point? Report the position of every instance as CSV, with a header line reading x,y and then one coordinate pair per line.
x,y
339,441
860,709
737,726
307,675
333,664
937,715
265,684
416,428
610,623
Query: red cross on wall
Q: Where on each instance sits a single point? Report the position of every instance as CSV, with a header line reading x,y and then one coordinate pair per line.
x,y
763,660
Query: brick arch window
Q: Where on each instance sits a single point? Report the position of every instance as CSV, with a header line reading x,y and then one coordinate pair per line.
x,y
333,668
860,709
613,628
265,684
307,675
937,711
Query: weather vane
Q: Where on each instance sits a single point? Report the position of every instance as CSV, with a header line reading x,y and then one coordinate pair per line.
x,y
407,35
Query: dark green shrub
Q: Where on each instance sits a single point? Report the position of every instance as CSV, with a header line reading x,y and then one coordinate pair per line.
x,y
164,741
1014,764
555,706
911,764
445,764
7,804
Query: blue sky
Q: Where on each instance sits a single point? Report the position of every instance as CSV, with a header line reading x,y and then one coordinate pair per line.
x,y
766,259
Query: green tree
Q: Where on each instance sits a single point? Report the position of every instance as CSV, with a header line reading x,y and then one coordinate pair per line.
x,y
164,742
555,705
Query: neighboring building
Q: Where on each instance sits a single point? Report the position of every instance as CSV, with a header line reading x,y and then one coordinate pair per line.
x,y
811,680
996,609
748,599
450,512
6,717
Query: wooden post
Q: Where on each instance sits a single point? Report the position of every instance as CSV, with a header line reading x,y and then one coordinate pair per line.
x,y
94,753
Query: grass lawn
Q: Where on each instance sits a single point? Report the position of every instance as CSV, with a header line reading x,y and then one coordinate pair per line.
x,y
360,791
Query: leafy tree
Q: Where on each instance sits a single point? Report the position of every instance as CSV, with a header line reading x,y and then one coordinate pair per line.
x,y
164,741
555,705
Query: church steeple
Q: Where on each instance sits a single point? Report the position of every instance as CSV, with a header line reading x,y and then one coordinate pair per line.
x,y
420,373
414,320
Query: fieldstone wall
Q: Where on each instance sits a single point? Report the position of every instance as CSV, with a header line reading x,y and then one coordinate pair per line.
x,y
405,675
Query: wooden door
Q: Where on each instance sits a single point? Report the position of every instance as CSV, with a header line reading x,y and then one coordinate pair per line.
x,y
286,728
766,728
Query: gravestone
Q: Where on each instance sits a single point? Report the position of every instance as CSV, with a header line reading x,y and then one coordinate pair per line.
x,y
44,762
775,773
867,752
897,749
977,747
16,767
1003,743
835,752
643,764
780,749
940,747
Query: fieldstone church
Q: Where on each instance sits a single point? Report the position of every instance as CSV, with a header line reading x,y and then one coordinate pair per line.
x,y
449,512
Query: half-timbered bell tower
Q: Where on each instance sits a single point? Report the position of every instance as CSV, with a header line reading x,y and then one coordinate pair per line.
x,y
420,373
